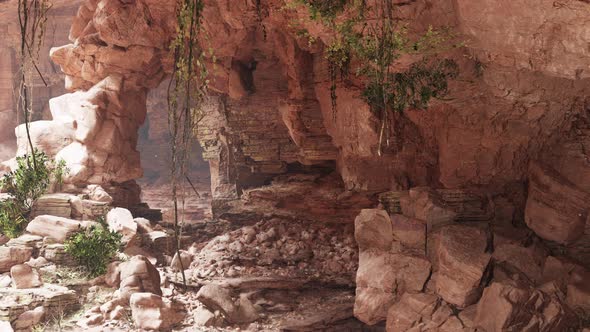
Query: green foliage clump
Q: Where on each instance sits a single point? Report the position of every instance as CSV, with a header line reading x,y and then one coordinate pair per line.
x,y
375,40
94,247
32,178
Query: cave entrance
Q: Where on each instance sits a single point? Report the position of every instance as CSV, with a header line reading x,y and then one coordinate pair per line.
x,y
154,148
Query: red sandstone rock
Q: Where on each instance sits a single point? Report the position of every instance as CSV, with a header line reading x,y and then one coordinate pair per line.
x,y
57,228
373,230
556,209
24,276
458,256
506,306
411,233
382,277
11,256
152,313
527,260
138,275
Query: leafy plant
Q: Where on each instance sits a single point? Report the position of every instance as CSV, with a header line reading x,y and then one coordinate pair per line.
x,y
25,185
94,247
376,44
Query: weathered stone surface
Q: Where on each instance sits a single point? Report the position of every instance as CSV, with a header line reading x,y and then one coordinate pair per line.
x,y
185,258
411,233
151,312
53,204
236,311
426,204
556,209
30,318
527,260
121,221
458,256
204,317
138,275
25,276
56,253
373,230
422,312
56,228
11,256
53,298
382,277
506,306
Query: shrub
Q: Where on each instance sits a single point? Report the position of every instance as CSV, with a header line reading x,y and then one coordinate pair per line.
x,y
94,247
31,179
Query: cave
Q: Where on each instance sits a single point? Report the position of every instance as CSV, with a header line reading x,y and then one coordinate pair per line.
x,y
307,204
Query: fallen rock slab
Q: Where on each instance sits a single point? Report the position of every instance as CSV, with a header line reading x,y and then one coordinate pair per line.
x,y
11,256
56,228
459,258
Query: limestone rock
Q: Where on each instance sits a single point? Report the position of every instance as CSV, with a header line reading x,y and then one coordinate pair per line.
x,y
11,256
24,276
459,258
57,228
150,312
138,275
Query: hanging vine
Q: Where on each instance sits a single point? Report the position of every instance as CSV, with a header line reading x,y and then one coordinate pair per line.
x,y
186,93
32,20
376,40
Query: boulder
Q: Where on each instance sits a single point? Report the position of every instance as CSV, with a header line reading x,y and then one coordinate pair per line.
x,y
29,319
372,229
458,255
57,228
150,312
120,220
410,232
556,209
507,306
138,275
382,277
216,297
578,290
23,276
185,258
11,256
98,194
